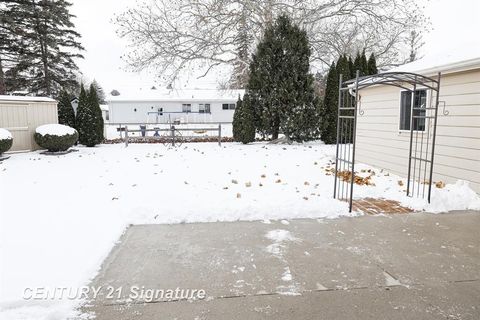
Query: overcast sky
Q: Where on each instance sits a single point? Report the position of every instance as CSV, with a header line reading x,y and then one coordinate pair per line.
x,y
455,24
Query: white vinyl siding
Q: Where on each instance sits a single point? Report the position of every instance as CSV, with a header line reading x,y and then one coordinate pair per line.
x,y
122,112
380,143
21,118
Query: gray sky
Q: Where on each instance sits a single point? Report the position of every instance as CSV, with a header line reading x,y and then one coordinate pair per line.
x,y
455,24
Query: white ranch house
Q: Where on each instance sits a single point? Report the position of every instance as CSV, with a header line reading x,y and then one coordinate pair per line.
x,y
184,106
383,126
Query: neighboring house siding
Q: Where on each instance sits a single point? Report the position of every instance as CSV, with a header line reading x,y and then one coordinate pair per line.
x,y
124,112
457,155
22,118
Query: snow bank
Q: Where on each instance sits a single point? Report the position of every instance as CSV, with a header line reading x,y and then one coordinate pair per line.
x,y
5,134
54,130
456,196
99,192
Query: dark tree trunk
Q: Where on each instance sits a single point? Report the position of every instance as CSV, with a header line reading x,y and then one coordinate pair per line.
x,y
276,128
46,74
3,88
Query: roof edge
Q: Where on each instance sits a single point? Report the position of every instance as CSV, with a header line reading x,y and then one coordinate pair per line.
x,y
459,66
8,98
172,100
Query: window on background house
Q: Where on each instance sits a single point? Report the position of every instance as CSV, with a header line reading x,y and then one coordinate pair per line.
x,y
186,107
204,108
420,102
228,106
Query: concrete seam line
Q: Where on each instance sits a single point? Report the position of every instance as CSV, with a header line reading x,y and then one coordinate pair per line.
x,y
251,295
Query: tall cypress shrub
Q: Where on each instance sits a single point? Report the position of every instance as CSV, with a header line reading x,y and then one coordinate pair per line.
x,y
343,68
330,108
363,64
243,121
94,102
66,114
372,65
87,120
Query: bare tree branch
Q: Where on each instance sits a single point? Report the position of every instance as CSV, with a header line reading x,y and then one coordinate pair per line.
x,y
172,36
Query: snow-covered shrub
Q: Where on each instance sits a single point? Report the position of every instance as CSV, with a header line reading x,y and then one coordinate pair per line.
x,y
6,140
55,137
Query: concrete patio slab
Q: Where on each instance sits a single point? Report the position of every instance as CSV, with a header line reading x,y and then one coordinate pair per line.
x,y
416,266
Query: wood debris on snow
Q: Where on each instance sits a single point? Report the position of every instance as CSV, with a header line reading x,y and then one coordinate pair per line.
x,y
347,176
440,184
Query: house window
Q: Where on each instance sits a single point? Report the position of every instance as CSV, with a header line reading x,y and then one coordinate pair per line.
x,y
228,106
204,108
420,103
186,107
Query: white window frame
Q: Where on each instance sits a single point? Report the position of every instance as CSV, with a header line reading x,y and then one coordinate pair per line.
x,y
427,101
205,108
229,105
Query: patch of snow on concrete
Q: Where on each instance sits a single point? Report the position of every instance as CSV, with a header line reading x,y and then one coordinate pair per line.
x,y
287,275
280,235
391,281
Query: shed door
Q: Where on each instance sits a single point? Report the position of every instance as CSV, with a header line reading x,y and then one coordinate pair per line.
x,y
14,118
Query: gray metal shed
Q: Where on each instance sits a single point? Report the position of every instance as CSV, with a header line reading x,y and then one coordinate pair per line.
x,y
21,115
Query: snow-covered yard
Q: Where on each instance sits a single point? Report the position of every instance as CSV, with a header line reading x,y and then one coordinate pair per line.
x,y
61,215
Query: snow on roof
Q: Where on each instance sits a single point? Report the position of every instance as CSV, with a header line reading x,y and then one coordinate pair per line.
x,y
456,59
462,59
104,107
25,98
178,95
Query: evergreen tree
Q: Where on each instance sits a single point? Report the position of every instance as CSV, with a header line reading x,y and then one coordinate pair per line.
x,y
351,66
94,103
280,85
243,41
7,43
343,68
66,115
87,120
330,107
372,65
261,86
357,64
101,92
237,120
48,46
243,122
363,64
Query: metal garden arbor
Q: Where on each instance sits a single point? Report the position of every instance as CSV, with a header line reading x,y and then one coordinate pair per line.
x,y
423,127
